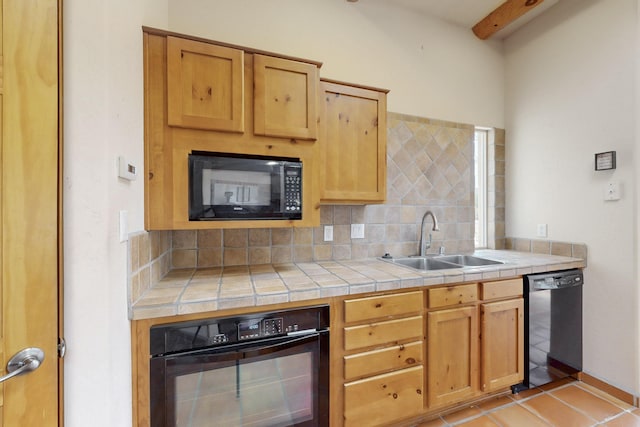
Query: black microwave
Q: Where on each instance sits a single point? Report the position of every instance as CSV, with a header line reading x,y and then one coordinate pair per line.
x,y
225,186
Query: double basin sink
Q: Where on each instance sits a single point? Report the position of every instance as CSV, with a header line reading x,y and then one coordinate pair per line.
x,y
441,262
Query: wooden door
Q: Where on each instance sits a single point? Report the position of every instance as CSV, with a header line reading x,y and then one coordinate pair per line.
x,y
502,344
452,355
29,91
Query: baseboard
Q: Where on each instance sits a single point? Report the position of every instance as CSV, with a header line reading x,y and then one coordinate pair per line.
x,y
609,389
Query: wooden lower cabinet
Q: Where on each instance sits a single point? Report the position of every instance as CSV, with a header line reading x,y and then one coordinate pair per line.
x,y
384,398
411,354
452,355
502,329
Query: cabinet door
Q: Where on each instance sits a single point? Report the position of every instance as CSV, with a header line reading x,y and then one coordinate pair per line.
x,y
502,344
452,349
354,144
204,86
384,399
285,97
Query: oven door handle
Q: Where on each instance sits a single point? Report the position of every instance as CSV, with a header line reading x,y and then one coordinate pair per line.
x,y
245,353
268,349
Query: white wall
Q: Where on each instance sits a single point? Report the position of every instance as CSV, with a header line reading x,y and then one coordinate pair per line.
x,y
103,117
570,93
431,68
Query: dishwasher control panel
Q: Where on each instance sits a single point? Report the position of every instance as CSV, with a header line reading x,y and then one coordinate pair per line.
x,y
556,280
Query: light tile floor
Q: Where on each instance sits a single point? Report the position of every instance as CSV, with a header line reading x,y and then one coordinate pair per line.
x,y
564,404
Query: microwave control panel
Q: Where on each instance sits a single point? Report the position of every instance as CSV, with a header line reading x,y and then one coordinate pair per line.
x,y
292,188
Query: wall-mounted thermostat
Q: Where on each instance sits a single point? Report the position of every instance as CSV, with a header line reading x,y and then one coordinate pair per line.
x,y
126,170
606,160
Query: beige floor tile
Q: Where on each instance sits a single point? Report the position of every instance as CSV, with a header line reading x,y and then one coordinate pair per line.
x,y
625,420
462,414
516,415
586,402
483,421
608,397
495,402
438,422
557,413
526,394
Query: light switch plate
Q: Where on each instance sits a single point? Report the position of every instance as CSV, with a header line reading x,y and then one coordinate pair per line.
x,y
541,230
123,226
612,191
357,231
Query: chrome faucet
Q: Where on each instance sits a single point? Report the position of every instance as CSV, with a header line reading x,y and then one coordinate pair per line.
x,y
426,245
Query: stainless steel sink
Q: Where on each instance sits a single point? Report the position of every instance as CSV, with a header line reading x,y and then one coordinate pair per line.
x,y
422,263
442,262
467,260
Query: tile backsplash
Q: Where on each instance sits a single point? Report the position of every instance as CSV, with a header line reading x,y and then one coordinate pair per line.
x,y
429,166
549,247
149,260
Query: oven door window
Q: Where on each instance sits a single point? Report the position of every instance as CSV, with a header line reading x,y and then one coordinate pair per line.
x,y
270,384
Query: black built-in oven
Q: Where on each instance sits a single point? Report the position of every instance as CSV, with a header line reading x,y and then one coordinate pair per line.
x,y
260,370
224,186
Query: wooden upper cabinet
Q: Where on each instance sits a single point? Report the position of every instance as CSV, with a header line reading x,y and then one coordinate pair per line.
x,y
285,97
354,144
204,86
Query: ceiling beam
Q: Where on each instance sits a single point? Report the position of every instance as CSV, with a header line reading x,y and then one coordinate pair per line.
x,y
502,16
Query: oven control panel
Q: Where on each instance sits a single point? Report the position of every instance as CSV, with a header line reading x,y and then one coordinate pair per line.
x,y
258,328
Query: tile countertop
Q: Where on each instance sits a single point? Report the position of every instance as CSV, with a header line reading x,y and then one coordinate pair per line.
x,y
210,289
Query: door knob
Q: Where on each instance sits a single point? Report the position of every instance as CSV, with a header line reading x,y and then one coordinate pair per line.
x,y
23,362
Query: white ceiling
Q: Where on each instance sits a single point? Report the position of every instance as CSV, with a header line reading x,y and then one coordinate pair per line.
x,y
466,13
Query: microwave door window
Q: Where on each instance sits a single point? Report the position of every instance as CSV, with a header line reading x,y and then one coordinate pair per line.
x,y
235,188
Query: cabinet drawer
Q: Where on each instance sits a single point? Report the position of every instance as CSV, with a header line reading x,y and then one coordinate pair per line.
x,y
383,399
377,361
362,309
453,295
501,289
383,332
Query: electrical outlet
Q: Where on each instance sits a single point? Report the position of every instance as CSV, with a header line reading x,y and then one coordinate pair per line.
x,y
541,230
328,233
357,231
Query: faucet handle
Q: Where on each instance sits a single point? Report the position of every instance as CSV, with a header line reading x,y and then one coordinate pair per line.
x,y
441,250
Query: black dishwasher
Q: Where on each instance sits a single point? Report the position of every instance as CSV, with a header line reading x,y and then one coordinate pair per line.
x,y
553,307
